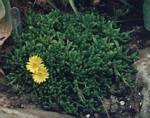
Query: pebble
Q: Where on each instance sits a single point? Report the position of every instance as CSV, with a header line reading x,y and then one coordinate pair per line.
x,y
122,103
148,56
140,103
139,94
88,116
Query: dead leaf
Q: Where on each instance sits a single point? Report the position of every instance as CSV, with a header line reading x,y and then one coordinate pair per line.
x,y
96,2
5,32
5,24
2,74
107,103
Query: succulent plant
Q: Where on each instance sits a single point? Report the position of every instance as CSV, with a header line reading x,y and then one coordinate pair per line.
x,y
2,9
5,20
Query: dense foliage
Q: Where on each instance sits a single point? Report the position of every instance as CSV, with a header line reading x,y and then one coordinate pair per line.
x,y
85,57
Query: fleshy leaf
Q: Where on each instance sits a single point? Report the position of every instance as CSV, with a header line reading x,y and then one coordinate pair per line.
x,y
2,9
146,12
5,22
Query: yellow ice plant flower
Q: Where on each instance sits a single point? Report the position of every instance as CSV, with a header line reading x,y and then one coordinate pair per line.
x,y
41,75
33,63
37,68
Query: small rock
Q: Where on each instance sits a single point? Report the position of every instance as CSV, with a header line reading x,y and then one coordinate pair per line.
x,y
139,94
88,116
30,113
122,103
148,56
114,99
140,103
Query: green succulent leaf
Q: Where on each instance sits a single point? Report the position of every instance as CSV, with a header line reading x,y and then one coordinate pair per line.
x,y
146,12
2,9
5,20
73,6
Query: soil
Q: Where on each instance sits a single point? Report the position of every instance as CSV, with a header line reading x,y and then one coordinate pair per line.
x,y
121,107
10,99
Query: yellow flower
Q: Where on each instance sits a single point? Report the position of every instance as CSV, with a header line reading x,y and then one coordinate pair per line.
x,y
37,68
33,63
41,75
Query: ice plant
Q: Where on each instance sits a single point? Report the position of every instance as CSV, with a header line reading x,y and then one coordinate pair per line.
x,y
37,68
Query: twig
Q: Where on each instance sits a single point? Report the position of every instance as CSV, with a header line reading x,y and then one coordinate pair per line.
x,y
104,107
